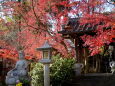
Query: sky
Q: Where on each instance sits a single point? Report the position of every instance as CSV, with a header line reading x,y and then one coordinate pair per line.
x,y
108,7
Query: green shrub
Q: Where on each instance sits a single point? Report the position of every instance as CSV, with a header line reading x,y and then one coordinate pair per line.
x,y
61,71
36,74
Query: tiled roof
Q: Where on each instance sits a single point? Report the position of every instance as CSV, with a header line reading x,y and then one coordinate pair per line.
x,y
73,26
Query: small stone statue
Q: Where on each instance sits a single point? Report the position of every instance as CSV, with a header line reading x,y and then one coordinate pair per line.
x,y
20,70
112,65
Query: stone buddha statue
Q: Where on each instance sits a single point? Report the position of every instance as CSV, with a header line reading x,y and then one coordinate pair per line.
x,y
20,70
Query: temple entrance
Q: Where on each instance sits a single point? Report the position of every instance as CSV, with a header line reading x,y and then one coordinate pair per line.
x,y
99,64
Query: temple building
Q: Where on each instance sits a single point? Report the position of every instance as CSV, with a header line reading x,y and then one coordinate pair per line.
x,y
92,64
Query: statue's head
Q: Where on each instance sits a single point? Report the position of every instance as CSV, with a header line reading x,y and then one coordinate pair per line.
x,y
21,54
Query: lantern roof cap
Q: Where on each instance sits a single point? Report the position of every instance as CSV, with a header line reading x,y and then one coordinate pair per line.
x,y
45,46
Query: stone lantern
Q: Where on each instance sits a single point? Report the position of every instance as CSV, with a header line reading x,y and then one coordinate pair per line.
x,y
46,60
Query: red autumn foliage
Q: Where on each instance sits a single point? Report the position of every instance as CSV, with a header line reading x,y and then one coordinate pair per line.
x,y
35,16
105,33
5,53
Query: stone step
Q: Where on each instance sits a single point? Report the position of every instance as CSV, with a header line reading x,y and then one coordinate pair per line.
x,y
93,80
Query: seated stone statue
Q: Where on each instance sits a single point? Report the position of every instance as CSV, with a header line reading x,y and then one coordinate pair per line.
x,y
20,70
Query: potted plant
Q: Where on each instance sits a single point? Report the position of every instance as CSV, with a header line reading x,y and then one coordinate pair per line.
x,y
25,81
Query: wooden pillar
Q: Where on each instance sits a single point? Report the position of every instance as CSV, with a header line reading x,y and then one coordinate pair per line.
x,y
98,64
78,49
86,53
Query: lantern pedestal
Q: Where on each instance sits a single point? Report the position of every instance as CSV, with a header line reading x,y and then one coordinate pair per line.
x,y
46,75
46,63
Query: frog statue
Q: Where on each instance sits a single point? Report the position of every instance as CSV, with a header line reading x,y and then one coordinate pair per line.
x,y
20,70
